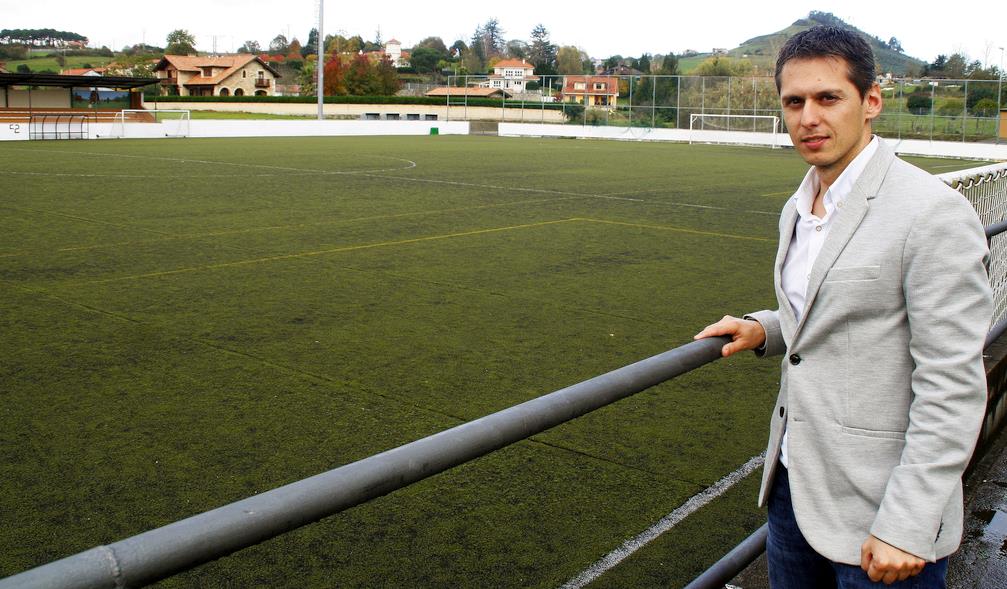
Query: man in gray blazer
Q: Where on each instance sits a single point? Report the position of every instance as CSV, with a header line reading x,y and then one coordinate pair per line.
x,y
884,304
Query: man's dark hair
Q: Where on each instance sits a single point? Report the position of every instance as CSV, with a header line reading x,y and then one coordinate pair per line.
x,y
828,41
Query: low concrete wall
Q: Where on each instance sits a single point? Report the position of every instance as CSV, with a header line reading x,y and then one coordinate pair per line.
x,y
443,112
39,98
957,149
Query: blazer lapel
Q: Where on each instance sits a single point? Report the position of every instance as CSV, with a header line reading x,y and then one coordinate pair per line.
x,y
848,218
788,224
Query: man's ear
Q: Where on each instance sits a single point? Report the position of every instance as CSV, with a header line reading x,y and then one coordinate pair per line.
x,y
873,102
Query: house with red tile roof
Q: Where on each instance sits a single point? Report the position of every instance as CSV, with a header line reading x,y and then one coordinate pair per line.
x,y
215,75
461,92
591,90
84,71
512,75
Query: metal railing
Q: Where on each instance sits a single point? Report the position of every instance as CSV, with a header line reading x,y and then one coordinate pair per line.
x,y
165,551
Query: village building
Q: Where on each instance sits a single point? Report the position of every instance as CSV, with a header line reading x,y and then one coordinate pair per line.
x,y
216,75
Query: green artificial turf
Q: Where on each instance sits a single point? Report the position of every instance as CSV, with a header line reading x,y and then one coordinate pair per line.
x,y
188,322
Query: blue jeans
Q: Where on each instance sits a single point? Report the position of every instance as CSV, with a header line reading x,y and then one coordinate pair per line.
x,y
794,564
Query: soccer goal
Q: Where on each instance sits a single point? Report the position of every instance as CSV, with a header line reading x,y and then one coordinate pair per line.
x,y
735,123
171,123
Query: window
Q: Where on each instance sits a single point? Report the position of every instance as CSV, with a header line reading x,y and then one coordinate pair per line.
x,y
244,73
412,116
208,72
429,117
599,86
580,85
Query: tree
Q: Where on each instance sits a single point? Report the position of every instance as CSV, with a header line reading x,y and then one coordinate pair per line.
x,y
387,77
307,79
517,49
458,48
250,47
643,64
424,59
669,65
719,65
569,61
294,48
541,52
335,77
180,42
434,43
361,79
312,45
279,45
492,38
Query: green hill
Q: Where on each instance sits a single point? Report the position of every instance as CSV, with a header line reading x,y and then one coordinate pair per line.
x,y
761,50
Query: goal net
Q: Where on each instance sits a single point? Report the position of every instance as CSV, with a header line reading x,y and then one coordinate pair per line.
x,y
135,123
719,124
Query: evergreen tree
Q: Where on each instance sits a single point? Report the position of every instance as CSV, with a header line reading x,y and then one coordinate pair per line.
x,y
541,52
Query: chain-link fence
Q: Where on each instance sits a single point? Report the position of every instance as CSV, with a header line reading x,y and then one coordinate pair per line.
x,y
946,110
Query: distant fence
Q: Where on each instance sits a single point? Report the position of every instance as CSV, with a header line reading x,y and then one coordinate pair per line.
x,y
154,555
935,110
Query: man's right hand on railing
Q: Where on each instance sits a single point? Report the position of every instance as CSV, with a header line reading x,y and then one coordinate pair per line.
x,y
746,334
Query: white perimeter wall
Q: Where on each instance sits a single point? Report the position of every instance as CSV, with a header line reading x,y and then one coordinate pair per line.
x,y
309,128
251,128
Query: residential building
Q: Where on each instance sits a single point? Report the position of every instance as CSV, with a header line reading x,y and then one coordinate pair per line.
x,y
84,71
393,51
512,75
215,75
591,90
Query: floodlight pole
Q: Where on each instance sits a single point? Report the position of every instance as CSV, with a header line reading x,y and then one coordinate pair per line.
x,y
320,66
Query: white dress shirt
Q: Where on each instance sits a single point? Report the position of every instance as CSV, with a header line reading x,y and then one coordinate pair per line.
x,y
810,233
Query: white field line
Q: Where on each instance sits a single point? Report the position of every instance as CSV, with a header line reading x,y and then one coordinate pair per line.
x,y
666,523
410,164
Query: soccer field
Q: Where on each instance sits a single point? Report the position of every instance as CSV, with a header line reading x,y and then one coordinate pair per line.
x,y
189,322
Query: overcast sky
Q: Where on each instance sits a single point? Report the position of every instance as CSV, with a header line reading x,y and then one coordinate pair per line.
x,y
601,29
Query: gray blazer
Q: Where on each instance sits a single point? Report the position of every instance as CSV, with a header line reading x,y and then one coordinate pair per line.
x,y
882,388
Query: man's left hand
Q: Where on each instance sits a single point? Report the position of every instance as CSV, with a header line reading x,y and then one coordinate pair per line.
x,y
886,563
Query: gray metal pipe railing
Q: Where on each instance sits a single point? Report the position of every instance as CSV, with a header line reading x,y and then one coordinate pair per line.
x,y
733,562
165,551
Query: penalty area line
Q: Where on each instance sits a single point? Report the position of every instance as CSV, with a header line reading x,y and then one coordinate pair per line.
x,y
666,523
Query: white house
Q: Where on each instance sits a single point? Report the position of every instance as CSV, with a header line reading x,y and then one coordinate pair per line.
x,y
512,75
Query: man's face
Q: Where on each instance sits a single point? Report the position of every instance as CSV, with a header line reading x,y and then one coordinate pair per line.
x,y
828,122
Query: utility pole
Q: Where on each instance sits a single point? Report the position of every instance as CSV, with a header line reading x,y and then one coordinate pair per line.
x,y
320,65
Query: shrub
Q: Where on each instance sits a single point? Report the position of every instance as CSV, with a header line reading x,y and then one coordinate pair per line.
x,y
918,103
987,107
951,107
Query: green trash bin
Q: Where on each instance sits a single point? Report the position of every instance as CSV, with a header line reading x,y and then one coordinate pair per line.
x,y
435,131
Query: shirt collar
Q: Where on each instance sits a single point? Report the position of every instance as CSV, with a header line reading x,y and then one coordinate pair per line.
x,y
840,189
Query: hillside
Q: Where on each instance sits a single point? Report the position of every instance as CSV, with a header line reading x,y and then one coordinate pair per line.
x,y
761,50
764,48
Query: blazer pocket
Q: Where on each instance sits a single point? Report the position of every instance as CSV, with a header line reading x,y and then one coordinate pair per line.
x,y
853,273
874,433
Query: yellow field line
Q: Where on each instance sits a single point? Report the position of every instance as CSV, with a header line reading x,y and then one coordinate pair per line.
x,y
316,224
677,229
349,248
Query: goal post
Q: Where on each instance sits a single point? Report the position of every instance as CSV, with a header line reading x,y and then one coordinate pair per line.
x,y
769,124
172,122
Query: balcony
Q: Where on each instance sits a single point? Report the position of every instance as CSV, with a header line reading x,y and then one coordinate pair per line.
x,y
262,82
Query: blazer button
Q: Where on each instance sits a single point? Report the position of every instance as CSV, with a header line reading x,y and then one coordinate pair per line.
x,y
781,411
795,359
